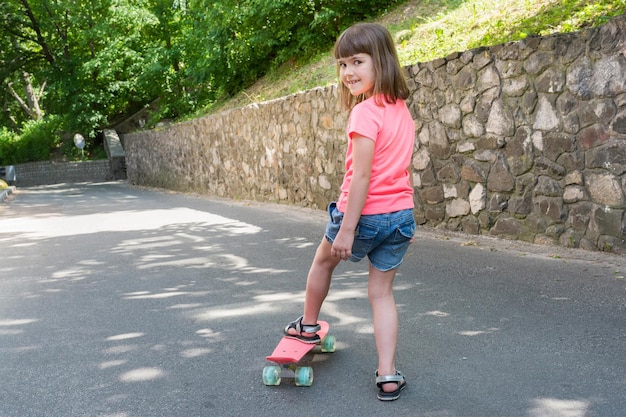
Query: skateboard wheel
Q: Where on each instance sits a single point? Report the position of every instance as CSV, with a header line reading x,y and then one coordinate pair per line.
x,y
328,344
303,376
271,375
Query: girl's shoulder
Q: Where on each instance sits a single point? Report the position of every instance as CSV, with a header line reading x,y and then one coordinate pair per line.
x,y
382,101
380,105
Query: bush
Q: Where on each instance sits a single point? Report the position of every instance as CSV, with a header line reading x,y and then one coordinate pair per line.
x,y
34,143
230,46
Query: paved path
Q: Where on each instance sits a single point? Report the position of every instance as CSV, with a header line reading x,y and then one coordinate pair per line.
x,y
117,301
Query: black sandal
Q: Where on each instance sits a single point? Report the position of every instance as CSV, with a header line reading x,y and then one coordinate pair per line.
x,y
390,379
303,328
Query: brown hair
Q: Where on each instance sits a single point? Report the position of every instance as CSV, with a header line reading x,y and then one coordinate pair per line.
x,y
376,41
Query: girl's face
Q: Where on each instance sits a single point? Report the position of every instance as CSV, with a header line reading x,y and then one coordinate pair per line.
x,y
357,73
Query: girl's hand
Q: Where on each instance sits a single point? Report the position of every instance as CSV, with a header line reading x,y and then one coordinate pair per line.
x,y
342,246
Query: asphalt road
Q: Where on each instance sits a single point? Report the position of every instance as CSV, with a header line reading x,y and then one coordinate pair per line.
x,y
118,301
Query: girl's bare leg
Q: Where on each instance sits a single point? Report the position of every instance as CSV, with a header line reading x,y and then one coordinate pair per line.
x,y
380,290
318,281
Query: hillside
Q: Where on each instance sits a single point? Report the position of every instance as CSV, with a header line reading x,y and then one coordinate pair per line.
x,y
427,29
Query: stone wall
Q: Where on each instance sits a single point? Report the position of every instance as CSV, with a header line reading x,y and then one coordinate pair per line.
x,y
525,140
289,150
115,154
46,172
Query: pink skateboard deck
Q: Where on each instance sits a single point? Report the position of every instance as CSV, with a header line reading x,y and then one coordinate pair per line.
x,y
291,351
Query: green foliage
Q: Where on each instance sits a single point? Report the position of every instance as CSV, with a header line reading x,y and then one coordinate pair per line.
x,y
565,16
97,62
35,143
231,44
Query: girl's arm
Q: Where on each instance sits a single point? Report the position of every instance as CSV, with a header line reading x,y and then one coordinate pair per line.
x,y
362,157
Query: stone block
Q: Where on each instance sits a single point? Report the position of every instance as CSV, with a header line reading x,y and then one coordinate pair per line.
x,y
607,221
457,207
571,239
610,156
546,186
507,227
450,115
551,208
448,174
538,61
500,178
477,198
546,117
574,194
470,225
432,195
556,144
612,244
593,136
521,204
551,81
474,171
498,203
605,189
500,120
434,213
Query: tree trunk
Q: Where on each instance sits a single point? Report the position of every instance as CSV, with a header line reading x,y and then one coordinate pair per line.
x,y
31,98
31,105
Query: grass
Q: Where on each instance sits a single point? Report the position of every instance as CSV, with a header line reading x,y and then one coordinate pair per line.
x,y
428,29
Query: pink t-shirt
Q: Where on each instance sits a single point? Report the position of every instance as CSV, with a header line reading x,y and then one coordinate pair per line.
x,y
391,127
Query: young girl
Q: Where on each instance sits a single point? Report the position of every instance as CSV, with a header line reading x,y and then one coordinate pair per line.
x,y
374,213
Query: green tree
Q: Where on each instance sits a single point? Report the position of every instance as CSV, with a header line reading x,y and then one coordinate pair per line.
x,y
231,43
88,64
87,53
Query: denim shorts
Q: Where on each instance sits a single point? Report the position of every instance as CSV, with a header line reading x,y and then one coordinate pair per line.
x,y
384,238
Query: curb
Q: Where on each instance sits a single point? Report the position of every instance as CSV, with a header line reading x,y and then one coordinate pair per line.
x,y
4,194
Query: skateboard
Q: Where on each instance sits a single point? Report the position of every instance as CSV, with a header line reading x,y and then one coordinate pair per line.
x,y
289,352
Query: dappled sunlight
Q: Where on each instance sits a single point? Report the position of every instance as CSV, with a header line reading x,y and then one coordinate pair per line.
x,y
197,262
169,294
157,252
210,334
9,332
232,311
273,301
9,327
478,332
147,243
19,245
185,306
295,242
279,296
16,322
142,375
196,352
22,349
246,283
73,273
364,328
111,364
72,225
117,350
125,336
338,294
342,318
553,407
151,312
259,270
436,313
180,290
